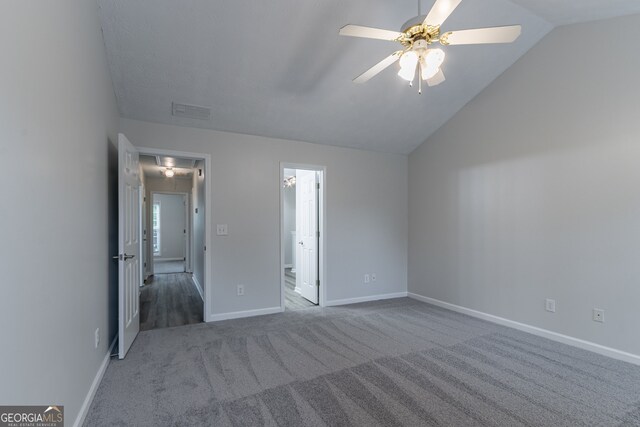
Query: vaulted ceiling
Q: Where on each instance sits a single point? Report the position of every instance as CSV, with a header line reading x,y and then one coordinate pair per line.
x,y
279,68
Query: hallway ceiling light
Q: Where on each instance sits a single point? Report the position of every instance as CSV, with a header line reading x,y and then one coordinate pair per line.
x,y
289,182
169,173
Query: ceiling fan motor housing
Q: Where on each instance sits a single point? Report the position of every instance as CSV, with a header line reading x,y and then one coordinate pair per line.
x,y
415,30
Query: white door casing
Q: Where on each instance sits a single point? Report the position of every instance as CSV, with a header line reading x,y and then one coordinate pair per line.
x,y
128,245
307,234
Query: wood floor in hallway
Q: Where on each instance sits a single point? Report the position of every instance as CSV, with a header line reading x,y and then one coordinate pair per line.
x,y
292,299
169,300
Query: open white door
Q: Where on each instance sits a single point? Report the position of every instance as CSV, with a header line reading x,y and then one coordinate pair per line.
x,y
128,245
307,234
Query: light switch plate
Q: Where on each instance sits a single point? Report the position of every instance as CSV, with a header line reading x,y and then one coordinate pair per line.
x,y
222,230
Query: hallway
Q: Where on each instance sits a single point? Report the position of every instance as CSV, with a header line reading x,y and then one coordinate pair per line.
x,y
169,300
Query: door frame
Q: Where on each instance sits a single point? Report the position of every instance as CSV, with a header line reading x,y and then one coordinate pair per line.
x,y
208,221
322,227
188,225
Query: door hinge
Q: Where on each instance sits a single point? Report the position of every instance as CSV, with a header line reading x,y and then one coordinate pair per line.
x,y
184,231
205,248
318,233
317,185
184,259
318,282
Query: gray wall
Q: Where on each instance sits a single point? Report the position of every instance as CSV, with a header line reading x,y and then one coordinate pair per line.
x,y
172,225
532,191
59,119
366,213
199,223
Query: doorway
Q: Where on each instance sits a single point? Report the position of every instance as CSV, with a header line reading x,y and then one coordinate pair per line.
x,y
302,238
134,238
171,294
168,232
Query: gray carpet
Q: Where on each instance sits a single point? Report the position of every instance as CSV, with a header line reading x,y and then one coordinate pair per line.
x,y
386,363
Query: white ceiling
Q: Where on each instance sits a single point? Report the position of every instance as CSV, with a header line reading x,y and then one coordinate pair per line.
x,y
279,68
561,12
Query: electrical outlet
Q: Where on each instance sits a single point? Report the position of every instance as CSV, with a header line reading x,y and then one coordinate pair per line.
x,y
222,229
367,278
373,277
598,315
240,290
97,337
550,305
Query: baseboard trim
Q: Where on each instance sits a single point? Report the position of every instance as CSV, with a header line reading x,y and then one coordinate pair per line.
x,y
198,286
168,259
365,299
545,333
247,313
84,409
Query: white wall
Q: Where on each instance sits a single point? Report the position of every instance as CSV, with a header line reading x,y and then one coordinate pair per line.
x,y
532,191
172,226
58,119
198,203
366,213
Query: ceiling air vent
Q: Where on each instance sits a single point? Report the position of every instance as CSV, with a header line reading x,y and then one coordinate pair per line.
x,y
190,111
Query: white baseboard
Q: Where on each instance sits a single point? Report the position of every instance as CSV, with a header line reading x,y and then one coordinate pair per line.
x,y
198,286
84,409
364,299
168,259
288,266
298,290
247,313
545,333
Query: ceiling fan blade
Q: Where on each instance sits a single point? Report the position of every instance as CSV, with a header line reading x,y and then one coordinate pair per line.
x,y
440,11
371,72
369,33
483,35
437,79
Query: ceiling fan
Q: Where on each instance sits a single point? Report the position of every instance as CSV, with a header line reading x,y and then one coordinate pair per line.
x,y
417,34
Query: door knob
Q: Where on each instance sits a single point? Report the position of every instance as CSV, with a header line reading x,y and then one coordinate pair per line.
x,y
126,257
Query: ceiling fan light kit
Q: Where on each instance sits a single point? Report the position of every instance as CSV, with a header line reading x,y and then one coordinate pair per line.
x,y
418,34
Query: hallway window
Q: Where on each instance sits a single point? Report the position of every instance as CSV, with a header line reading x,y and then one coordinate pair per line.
x,y
156,228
